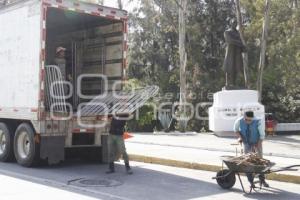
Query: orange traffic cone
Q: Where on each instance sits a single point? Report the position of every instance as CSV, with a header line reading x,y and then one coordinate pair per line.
x,y
127,135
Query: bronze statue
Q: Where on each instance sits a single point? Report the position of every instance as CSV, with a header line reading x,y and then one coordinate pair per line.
x,y
233,62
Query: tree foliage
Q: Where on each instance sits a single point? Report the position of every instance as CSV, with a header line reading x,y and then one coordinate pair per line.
x,y
154,50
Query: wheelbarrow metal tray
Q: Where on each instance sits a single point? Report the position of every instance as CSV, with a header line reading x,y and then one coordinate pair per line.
x,y
243,167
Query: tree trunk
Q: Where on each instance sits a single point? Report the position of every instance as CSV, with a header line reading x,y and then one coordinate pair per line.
x,y
241,30
295,21
183,60
263,49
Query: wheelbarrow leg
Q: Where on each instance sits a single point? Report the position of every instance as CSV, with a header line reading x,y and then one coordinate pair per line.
x,y
241,183
260,184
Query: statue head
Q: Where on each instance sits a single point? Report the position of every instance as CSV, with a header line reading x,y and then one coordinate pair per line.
x,y
233,23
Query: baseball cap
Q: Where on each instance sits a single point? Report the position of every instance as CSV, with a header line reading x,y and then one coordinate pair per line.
x,y
58,49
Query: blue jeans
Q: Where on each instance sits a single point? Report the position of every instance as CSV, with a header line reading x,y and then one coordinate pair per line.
x,y
251,148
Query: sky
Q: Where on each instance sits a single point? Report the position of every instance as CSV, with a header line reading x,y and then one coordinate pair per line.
x,y
126,4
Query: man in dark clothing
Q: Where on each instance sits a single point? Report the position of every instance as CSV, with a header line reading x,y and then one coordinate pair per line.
x,y
116,144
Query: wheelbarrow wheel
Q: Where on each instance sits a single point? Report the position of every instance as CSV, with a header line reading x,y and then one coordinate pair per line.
x,y
228,181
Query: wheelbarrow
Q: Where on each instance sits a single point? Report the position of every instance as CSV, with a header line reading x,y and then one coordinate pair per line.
x,y
226,178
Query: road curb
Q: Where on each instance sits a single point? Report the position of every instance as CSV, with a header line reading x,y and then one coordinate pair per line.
x,y
205,167
210,149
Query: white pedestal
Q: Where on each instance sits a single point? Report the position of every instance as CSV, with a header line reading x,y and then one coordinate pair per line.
x,y
229,105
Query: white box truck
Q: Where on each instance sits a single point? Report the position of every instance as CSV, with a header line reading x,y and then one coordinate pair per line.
x,y
33,124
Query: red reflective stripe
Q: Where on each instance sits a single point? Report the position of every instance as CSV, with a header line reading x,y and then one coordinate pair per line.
x,y
95,13
101,118
125,27
78,130
125,46
43,54
125,63
42,115
110,16
45,13
42,95
34,110
44,35
42,75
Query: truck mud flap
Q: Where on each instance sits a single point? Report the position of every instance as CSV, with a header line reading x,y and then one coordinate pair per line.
x,y
52,149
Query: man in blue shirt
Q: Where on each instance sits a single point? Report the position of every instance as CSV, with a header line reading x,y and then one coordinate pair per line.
x,y
250,132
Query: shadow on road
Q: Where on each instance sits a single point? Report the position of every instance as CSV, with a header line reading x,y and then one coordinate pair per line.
x,y
151,182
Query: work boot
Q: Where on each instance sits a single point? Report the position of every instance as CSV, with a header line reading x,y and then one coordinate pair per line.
x,y
111,168
128,169
265,184
252,185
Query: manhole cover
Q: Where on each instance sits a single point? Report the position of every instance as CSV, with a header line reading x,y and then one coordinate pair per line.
x,y
96,183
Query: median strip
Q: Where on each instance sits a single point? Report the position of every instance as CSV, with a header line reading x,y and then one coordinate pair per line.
x,y
205,167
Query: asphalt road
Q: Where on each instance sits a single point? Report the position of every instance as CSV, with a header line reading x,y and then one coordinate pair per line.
x,y
80,180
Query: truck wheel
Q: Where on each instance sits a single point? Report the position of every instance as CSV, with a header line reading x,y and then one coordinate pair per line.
x,y
25,148
6,143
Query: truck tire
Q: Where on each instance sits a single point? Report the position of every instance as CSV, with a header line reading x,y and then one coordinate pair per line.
x,y
6,143
25,148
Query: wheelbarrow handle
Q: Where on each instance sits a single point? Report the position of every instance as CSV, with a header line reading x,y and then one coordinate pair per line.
x,y
288,168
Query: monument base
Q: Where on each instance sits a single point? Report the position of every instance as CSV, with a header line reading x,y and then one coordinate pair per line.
x,y
229,87
230,105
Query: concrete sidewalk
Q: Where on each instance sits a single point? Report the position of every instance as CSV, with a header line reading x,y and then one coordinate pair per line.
x,y
206,149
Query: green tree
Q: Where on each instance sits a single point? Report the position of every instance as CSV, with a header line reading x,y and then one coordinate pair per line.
x,y
154,55
282,71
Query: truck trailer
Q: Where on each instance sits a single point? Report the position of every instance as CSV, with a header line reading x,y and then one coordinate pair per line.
x,y
37,125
